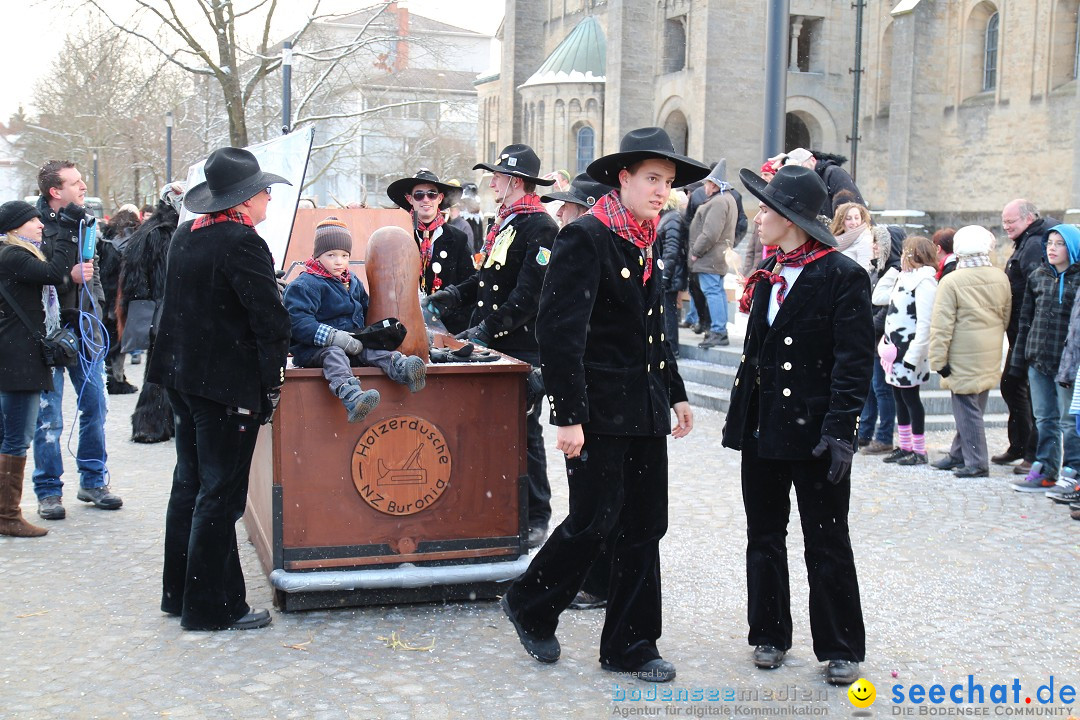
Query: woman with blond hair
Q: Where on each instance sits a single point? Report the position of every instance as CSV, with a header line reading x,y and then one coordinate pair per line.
x,y
904,347
854,237
28,309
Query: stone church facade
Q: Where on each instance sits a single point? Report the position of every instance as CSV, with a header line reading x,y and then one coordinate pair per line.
x,y
964,104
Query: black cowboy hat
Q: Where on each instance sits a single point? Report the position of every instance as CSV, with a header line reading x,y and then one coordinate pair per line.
x,y
795,192
399,190
583,191
233,175
519,161
642,144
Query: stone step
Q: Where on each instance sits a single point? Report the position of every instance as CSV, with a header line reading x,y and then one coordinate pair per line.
x,y
938,408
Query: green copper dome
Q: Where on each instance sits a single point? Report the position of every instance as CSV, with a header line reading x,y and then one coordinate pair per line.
x,y
580,57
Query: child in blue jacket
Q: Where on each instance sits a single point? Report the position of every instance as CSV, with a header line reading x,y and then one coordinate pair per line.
x,y
327,304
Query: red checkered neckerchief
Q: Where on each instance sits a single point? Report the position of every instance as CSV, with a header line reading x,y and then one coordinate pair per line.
x,y
611,211
424,233
214,218
805,254
525,206
315,267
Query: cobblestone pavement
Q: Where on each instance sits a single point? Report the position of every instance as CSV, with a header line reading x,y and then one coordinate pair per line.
x,y
958,578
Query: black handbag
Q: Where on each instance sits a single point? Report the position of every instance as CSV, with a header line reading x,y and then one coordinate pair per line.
x,y
60,348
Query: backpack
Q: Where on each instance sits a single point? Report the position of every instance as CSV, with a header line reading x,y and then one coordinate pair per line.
x,y
742,223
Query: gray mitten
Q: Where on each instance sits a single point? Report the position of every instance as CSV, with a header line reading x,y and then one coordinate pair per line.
x,y
346,342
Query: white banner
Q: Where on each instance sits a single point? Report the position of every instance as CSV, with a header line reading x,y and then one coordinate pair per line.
x,y
286,156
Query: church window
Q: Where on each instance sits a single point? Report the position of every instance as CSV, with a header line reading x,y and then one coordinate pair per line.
x,y
586,147
990,54
674,58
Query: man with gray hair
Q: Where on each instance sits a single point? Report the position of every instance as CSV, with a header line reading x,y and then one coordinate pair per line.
x,y
712,232
1021,222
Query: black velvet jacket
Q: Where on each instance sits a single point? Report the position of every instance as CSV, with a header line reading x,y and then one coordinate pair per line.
x,y
606,362
809,373
452,263
224,333
504,294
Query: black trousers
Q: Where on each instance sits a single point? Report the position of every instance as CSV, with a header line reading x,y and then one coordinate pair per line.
x,y
701,304
836,621
536,457
1017,396
618,490
202,580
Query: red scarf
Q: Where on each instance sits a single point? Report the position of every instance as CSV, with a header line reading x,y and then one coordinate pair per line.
x,y
315,267
611,211
424,232
525,206
229,215
805,254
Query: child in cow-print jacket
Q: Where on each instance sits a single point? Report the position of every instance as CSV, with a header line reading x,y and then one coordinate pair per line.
x,y
904,347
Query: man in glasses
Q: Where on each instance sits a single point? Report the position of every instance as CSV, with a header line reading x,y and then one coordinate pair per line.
x,y
445,258
504,293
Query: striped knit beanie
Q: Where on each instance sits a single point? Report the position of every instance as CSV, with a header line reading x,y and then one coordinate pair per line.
x,y
332,234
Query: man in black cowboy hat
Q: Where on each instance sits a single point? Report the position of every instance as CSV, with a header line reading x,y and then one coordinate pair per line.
x,y
612,382
806,372
444,249
220,353
503,294
582,194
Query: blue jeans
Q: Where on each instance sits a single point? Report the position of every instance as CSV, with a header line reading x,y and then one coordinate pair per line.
x,y
89,384
691,312
1050,403
879,409
18,413
712,285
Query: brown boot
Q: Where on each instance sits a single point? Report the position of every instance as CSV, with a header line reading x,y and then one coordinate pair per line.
x,y
11,486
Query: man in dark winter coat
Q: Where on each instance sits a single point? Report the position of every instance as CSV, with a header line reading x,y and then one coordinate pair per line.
x,y
613,383
143,278
444,249
837,180
220,352
794,411
61,183
504,291
1021,222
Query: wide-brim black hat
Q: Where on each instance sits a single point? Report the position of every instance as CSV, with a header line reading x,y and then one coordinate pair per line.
x,y
643,144
399,190
795,192
233,175
519,161
583,191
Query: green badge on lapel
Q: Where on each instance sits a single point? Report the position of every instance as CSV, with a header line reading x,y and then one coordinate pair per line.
x,y
543,256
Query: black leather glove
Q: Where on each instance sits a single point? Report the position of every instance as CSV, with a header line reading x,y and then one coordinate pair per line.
x,y
270,401
840,453
945,371
444,301
70,216
477,335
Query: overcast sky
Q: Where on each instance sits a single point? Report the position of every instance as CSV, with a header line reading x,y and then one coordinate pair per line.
x,y
34,33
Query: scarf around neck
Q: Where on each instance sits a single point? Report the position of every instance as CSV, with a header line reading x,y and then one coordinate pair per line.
x,y
313,266
49,299
617,218
525,206
425,236
847,239
805,254
966,261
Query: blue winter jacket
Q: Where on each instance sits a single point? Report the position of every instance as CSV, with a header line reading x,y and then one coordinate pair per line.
x,y
318,305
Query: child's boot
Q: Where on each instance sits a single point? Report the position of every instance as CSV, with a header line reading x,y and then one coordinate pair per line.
x,y
408,370
357,401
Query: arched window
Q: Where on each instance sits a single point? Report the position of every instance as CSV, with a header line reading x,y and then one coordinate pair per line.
x,y
990,53
586,147
1065,43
